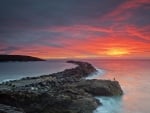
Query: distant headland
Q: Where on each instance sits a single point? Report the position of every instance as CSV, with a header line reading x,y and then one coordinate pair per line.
x,y
20,58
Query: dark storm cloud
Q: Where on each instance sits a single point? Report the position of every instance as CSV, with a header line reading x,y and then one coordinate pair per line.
x,y
21,20
35,13
50,24
142,16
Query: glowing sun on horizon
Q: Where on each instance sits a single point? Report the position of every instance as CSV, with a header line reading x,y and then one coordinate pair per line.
x,y
117,52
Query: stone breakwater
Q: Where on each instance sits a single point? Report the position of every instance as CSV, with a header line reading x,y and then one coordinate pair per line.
x,y
62,92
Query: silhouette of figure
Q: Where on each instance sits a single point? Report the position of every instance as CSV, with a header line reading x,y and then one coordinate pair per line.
x,y
114,79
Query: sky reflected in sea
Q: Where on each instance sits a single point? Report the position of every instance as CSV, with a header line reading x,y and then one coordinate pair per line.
x,y
134,78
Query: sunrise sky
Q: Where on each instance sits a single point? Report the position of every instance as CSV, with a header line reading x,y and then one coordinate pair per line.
x,y
75,28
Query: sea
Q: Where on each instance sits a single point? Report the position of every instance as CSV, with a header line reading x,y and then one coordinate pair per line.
x,y
133,76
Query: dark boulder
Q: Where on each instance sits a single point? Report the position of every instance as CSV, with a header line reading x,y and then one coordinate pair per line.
x,y
101,87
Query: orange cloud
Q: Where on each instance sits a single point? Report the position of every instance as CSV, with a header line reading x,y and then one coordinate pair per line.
x,y
125,42
142,32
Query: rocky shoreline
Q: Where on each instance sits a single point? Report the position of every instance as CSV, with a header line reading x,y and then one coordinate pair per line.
x,y
62,92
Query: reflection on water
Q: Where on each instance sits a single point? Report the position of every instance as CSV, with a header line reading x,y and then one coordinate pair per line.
x,y
17,70
134,78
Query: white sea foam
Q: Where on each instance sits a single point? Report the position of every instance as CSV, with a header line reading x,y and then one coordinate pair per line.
x,y
6,80
109,105
96,74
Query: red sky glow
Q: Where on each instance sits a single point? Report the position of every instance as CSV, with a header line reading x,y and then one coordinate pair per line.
x,y
73,29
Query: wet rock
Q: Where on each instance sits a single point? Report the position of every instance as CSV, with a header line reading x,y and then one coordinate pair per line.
x,y
83,105
10,109
62,92
101,87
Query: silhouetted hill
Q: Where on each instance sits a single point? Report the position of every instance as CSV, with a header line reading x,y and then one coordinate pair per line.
x,y
5,58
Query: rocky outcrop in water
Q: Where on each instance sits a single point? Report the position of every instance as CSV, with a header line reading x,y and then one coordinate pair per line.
x,y
62,92
101,87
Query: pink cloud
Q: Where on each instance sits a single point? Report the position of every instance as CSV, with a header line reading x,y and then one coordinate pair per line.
x,y
142,32
124,11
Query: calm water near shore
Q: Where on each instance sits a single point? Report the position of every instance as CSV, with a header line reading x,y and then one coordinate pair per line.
x,y
17,70
133,76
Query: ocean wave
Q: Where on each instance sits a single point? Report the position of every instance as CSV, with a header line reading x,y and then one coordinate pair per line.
x,y
96,74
